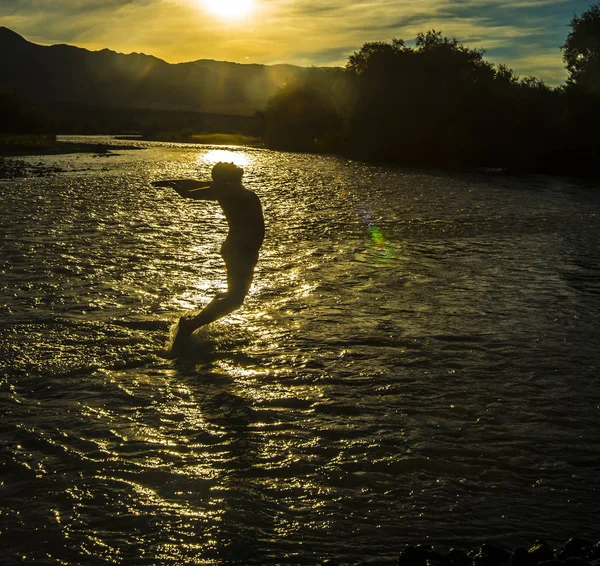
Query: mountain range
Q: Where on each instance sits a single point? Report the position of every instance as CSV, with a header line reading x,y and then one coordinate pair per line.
x,y
68,74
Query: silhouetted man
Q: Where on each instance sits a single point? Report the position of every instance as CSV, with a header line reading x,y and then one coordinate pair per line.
x,y
244,216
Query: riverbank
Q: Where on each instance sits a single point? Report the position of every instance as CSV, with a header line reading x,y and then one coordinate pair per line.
x,y
14,146
18,168
20,145
208,139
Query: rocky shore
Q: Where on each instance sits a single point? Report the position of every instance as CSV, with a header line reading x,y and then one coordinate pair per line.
x,y
18,148
11,167
15,168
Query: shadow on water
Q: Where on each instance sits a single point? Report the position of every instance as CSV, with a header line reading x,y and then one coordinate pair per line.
x,y
245,509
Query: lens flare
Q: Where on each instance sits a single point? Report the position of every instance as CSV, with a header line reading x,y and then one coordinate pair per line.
x,y
384,248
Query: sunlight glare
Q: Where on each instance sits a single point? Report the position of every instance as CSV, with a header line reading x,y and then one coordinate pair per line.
x,y
229,9
214,156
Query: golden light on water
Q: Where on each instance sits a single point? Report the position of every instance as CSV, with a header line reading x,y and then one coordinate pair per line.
x,y
213,156
229,9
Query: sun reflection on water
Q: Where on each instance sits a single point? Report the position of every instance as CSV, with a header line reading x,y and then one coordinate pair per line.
x,y
239,157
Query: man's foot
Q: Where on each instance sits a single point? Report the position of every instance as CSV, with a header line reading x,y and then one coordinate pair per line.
x,y
185,326
181,333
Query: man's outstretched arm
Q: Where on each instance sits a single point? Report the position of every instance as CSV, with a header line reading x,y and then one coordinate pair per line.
x,y
189,188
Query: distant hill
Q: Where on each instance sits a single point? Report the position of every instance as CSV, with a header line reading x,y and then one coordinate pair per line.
x,y
68,74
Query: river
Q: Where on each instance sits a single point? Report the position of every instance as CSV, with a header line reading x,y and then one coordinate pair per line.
x,y
417,362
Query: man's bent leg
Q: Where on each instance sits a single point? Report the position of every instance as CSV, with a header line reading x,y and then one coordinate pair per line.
x,y
217,308
238,285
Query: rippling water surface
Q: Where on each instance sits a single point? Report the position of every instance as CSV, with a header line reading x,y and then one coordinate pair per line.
x,y
417,361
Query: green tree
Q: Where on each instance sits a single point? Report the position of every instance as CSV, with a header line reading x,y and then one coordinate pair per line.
x,y
581,51
436,103
440,103
421,104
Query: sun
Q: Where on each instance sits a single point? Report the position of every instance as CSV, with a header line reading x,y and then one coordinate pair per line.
x,y
229,9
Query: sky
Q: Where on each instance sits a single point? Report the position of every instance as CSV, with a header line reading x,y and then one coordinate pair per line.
x,y
526,35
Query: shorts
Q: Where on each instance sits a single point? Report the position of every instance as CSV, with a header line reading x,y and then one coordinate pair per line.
x,y
240,266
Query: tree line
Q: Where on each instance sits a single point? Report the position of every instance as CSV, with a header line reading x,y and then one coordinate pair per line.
x,y
20,116
441,104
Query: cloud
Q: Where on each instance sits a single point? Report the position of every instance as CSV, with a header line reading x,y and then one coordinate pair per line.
x,y
519,33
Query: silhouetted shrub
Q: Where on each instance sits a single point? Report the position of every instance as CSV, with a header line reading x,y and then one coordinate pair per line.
x,y
21,116
300,118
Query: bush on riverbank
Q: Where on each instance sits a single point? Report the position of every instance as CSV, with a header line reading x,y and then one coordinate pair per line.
x,y
304,116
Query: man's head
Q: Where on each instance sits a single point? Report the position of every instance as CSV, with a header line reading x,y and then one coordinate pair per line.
x,y
227,173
